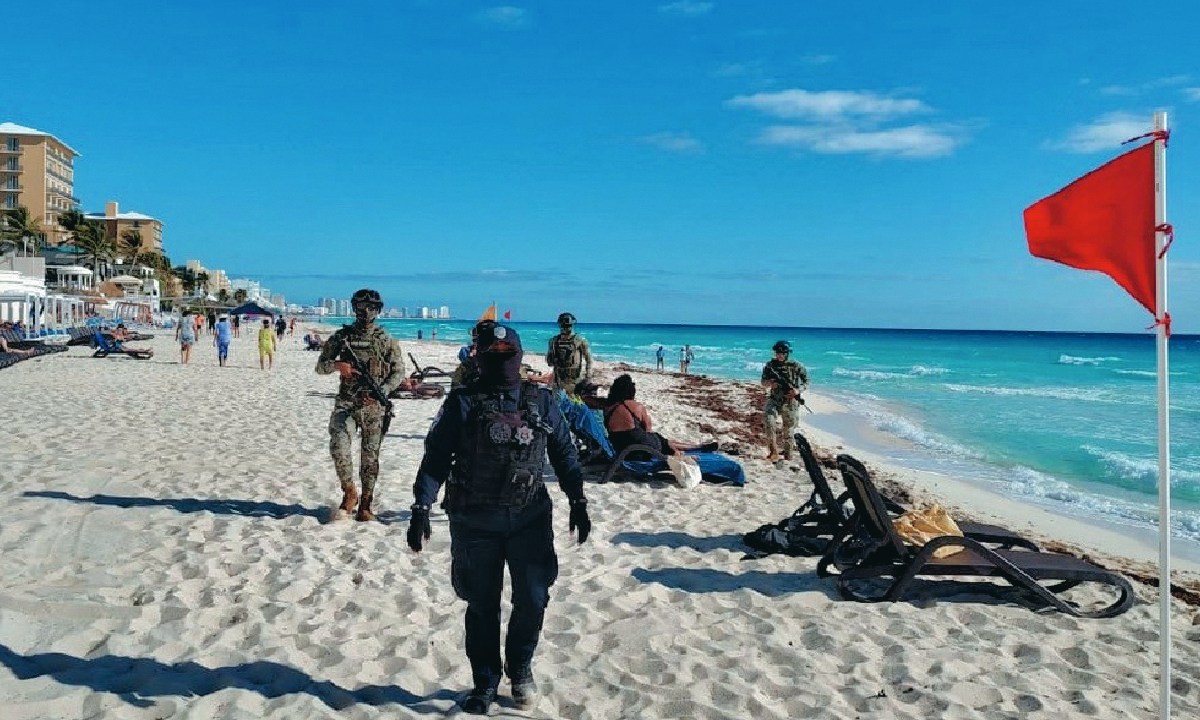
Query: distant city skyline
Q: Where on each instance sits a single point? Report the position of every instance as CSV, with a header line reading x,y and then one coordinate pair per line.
x,y
745,162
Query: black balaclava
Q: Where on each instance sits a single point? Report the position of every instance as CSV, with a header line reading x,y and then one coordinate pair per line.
x,y
365,313
499,355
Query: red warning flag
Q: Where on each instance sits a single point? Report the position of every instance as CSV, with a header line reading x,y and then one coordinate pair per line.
x,y
1103,221
508,314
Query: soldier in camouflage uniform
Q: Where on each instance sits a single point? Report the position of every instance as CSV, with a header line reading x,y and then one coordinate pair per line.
x,y
569,355
354,405
786,378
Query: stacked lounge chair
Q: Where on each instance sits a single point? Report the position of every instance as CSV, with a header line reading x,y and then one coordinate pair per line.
x,y
875,552
826,519
16,342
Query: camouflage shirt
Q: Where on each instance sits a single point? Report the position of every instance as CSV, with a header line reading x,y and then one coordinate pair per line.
x,y
374,347
789,370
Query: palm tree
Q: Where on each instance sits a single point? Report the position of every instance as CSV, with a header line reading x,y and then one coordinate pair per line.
x,y
202,282
95,244
131,244
187,278
71,220
223,296
18,228
239,296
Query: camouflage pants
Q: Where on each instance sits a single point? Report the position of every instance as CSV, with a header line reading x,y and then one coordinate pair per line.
x,y
568,379
781,416
369,419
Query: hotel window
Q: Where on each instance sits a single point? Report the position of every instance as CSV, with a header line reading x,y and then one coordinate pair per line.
x,y
13,144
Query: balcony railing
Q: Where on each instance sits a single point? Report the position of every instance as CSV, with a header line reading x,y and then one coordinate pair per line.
x,y
60,193
12,168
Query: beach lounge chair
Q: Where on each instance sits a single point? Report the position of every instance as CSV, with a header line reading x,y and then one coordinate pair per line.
x,y
424,374
887,557
714,467
826,518
106,346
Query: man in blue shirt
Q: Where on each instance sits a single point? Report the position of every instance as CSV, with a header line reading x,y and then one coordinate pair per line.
x,y
222,334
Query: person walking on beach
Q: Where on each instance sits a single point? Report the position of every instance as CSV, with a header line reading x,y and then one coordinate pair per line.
x,y
686,356
786,379
221,338
292,325
185,333
366,344
237,325
212,321
280,327
266,346
488,445
569,355
659,356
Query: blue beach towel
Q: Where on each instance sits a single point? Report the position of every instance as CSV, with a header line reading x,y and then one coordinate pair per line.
x,y
714,467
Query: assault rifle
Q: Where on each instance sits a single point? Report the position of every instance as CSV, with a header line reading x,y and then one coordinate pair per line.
x,y
373,389
787,385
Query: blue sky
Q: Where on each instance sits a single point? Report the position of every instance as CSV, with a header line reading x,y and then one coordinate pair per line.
x,y
855,164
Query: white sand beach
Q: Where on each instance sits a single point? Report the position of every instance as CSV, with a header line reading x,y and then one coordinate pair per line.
x,y
164,553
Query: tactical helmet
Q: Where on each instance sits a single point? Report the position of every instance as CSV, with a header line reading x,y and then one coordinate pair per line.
x,y
566,319
367,296
782,347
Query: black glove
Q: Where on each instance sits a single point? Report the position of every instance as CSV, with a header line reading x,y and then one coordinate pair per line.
x,y
418,527
579,519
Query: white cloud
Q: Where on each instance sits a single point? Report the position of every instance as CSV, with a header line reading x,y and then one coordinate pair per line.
x,y
1104,133
1148,86
912,141
686,7
828,104
1192,94
673,142
506,16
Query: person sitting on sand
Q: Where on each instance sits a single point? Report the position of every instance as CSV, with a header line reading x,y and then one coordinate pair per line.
x,y
628,422
120,334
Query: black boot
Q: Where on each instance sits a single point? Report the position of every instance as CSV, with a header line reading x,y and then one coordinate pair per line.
x,y
524,689
479,701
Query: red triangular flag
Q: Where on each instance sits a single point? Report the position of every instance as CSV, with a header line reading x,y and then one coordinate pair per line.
x,y
508,314
1103,221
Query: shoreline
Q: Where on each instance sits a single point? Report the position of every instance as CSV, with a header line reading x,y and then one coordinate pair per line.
x,y
167,552
833,424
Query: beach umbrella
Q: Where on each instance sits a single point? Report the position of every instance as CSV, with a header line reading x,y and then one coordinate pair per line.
x,y
251,308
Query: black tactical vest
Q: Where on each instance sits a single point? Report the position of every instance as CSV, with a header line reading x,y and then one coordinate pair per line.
x,y
501,452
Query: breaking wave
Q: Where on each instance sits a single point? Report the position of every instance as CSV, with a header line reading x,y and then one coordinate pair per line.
x,y
1075,360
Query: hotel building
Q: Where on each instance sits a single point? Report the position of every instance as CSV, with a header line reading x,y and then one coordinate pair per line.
x,y
37,170
116,223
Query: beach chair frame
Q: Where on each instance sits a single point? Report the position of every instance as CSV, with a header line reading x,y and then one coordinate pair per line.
x,y
1025,570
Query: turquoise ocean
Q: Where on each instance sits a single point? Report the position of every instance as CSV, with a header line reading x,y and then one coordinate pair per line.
x,y
1065,420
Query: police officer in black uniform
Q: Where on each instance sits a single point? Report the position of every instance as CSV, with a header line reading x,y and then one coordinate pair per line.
x,y
489,443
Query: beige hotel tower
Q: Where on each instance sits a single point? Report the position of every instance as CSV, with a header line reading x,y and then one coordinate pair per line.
x,y
37,170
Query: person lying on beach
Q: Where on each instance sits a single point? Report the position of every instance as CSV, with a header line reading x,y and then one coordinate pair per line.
x,y
120,334
628,422
4,347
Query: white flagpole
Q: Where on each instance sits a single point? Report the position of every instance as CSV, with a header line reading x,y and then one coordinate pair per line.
x,y
1164,424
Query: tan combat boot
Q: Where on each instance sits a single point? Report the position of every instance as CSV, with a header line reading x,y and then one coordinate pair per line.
x,y
364,508
349,501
